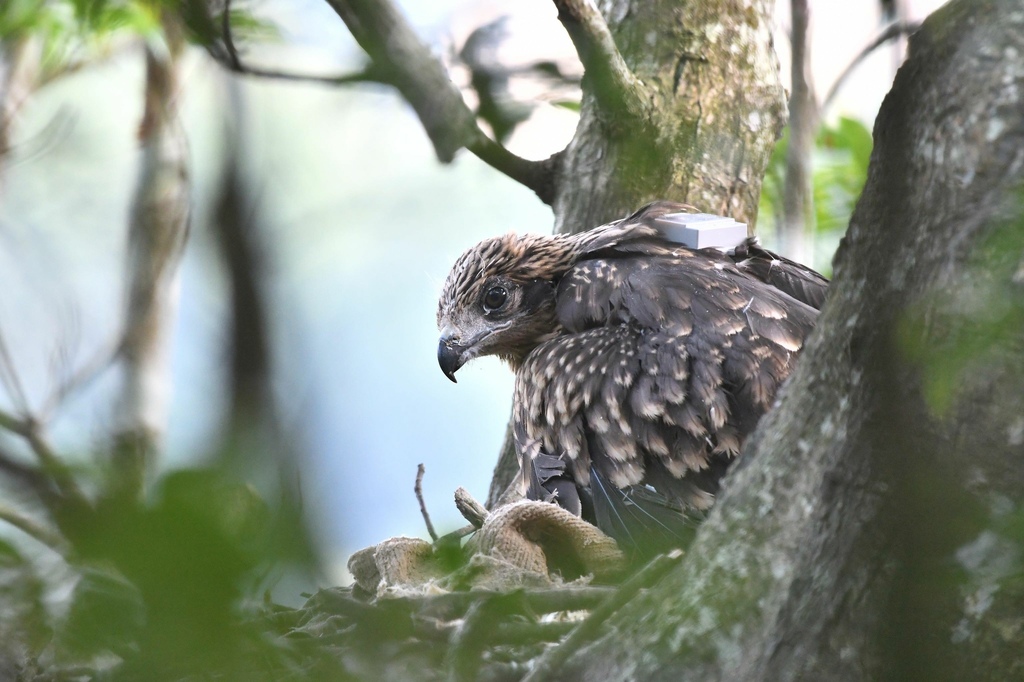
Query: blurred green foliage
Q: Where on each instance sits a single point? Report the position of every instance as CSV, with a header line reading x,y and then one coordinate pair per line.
x,y
842,151
74,31
163,589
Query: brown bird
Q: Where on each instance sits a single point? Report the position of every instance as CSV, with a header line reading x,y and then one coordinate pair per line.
x,y
641,365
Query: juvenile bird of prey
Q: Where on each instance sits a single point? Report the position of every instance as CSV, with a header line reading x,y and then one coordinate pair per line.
x,y
641,365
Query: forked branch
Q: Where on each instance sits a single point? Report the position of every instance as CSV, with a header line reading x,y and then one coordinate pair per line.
x,y
614,84
395,49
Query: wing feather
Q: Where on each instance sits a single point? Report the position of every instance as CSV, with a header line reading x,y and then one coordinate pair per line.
x,y
666,362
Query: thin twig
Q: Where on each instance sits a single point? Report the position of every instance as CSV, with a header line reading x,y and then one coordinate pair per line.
x,y
892,31
617,88
9,378
423,505
511,633
52,465
30,476
548,664
33,529
81,378
233,62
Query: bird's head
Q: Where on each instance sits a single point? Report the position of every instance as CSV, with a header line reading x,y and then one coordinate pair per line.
x,y
499,299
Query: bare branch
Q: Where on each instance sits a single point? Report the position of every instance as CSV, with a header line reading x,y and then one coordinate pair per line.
x,y
52,465
617,88
81,377
396,50
9,378
33,529
382,31
537,175
891,32
423,505
455,537
157,233
28,475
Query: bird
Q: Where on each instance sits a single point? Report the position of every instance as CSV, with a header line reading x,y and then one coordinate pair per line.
x,y
641,366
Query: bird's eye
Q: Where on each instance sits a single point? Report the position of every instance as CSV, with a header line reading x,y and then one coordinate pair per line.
x,y
495,298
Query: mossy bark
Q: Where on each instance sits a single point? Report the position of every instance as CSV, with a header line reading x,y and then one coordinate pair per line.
x,y
713,107
872,529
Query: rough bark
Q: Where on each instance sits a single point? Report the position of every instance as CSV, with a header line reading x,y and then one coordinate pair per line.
x,y
868,532
704,137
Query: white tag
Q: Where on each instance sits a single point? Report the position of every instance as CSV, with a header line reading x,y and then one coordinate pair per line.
x,y
702,230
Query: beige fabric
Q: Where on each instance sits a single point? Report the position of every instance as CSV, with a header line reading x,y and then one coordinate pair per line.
x,y
522,544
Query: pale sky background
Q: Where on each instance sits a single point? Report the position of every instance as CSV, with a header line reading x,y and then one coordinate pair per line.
x,y
363,225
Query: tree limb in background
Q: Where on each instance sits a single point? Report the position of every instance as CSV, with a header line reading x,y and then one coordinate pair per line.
x,y
157,234
616,87
891,32
52,467
797,223
382,31
33,529
408,64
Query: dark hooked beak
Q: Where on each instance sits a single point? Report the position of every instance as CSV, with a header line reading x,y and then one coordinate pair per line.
x,y
449,356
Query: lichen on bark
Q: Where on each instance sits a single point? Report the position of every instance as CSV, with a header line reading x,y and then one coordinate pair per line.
x,y
862,535
714,110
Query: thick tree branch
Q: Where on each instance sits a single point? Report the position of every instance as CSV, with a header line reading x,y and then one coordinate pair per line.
x,y
408,64
385,35
616,87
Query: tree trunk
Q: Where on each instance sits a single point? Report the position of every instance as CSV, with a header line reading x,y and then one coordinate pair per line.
x,y
714,110
873,528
